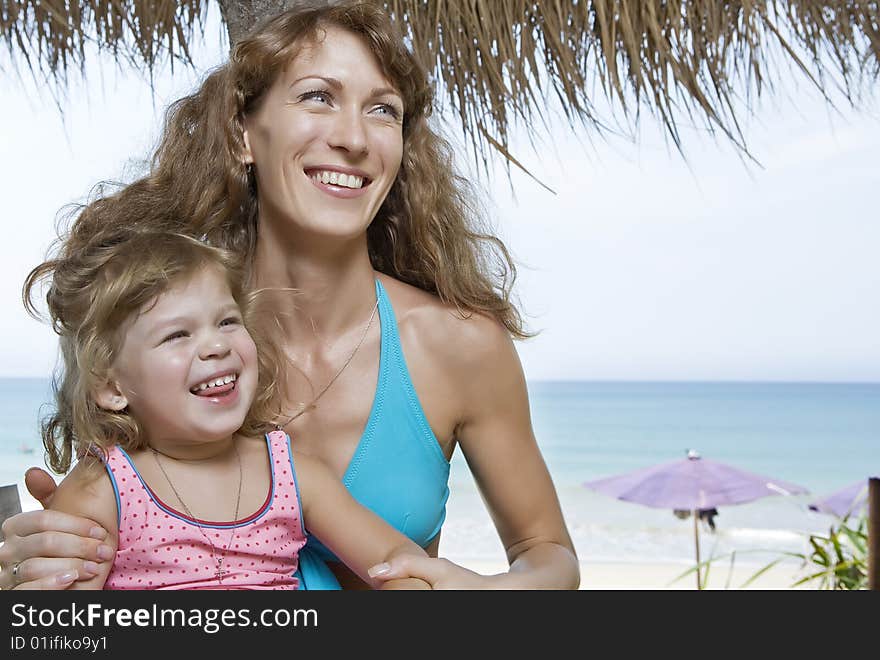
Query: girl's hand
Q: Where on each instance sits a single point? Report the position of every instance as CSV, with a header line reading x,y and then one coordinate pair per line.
x,y
49,550
439,573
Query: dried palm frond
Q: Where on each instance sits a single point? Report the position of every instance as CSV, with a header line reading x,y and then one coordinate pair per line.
x,y
51,35
502,61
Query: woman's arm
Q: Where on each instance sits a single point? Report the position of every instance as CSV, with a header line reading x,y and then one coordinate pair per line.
x,y
496,437
52,549
87,492
360,538
499,444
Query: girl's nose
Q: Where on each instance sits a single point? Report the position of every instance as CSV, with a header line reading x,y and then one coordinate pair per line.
x,y
215,346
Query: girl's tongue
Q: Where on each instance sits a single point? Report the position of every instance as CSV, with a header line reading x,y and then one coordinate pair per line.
x,y
219,390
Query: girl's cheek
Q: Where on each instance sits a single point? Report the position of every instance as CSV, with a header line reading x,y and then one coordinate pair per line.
x,y
249,351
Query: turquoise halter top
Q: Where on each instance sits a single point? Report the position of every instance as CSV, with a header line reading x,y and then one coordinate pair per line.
x,y
398,470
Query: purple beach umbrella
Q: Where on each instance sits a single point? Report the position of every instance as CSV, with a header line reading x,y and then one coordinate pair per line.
x,y
847,501
692,484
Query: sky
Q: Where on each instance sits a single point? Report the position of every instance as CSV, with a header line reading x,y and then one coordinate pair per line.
x,y
641,266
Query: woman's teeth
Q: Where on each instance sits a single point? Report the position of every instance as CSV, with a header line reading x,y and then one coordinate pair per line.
x,y
338,179
217,382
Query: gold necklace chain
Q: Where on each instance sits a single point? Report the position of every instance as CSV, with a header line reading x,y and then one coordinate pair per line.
x,y
219,573
312,404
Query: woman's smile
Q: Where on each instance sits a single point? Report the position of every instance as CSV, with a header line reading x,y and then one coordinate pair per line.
x,y
341,182
330,124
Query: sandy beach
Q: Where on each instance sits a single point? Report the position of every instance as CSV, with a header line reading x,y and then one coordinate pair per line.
x,y
639,574
662,575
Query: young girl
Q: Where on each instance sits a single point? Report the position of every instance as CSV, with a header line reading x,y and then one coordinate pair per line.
x,y
163,398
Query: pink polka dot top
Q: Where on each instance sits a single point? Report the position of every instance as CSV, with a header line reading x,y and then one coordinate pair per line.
x,y
161,548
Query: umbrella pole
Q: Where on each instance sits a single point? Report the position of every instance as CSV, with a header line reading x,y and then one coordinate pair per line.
x,y
697,545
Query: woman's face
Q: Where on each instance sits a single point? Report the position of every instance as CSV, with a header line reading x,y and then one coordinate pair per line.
x,y
327,139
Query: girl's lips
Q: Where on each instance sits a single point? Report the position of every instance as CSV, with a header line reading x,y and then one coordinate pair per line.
x,y
220,392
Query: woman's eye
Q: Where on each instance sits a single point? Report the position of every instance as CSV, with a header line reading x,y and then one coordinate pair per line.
x,y
316,95
232,320
388,109
180,334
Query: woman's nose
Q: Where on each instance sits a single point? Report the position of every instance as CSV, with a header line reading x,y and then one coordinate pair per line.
x,y
349,132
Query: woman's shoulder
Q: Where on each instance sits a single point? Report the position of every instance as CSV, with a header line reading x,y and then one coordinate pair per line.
x,y
428,325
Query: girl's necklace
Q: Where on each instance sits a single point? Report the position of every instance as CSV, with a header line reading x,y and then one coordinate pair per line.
x,y
220,573
313,403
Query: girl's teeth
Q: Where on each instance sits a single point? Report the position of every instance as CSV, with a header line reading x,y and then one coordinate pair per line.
x,y
216,382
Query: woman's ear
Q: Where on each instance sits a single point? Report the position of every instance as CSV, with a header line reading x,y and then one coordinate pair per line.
x,y
109,397
246,157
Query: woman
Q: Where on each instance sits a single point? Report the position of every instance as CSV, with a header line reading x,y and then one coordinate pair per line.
x,y
310,152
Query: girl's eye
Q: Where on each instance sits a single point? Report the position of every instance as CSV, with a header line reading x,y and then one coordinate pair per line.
x,y
316,95
180,334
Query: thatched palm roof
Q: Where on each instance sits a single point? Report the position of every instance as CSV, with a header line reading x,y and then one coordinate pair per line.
x,y
503,60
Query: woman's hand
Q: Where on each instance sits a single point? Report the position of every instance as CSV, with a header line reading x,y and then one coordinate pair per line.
x,y
49,550
439,573
405,584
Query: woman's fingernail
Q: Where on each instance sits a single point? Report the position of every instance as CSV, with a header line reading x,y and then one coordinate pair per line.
x,y
66,578
90,567
98,533
105,552
379,569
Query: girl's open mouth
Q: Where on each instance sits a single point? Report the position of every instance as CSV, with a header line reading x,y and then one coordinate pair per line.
x,y
220,386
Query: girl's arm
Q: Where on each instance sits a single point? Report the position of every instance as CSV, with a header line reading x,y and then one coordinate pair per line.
x,y
86,491
360,538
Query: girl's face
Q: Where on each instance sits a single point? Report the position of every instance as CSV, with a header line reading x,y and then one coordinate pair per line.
x,y
187,369
326,140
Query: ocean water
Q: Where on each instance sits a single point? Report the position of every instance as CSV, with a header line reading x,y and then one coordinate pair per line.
x,y
820,436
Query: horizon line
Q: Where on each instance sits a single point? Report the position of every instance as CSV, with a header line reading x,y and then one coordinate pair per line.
x,y
657,381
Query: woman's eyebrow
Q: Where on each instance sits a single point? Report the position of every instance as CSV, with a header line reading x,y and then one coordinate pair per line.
x,y
333,82
382,91
337,84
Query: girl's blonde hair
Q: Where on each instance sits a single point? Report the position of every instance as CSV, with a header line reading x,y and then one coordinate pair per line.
x,y
94,289
427,232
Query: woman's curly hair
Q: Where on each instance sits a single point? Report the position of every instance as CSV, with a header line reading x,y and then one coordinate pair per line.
x,y
428,231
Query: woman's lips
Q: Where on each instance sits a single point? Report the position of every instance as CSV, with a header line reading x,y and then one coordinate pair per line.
x,y
320,178
339,191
